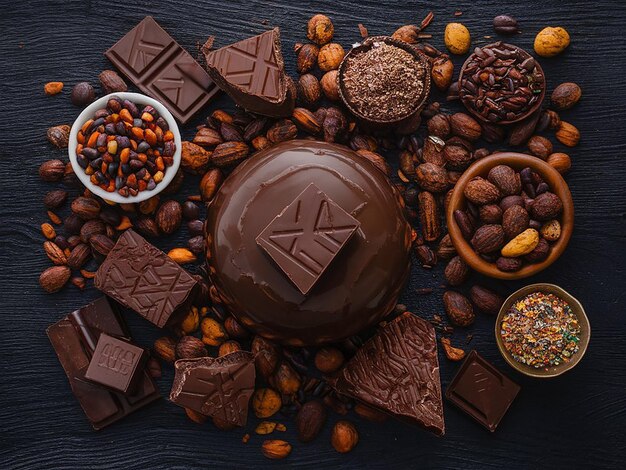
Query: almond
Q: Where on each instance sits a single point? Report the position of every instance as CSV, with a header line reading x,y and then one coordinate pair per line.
x,y
276,449
181,255
505,179
209,184
195,159
568,134
306,120
56,254
480,191
465,126
54,278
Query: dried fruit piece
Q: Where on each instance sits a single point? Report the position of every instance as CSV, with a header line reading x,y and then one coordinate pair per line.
x,y
452,353
53,88
276,449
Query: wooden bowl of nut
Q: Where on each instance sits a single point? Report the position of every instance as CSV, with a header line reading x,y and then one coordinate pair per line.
x,y
542,331
510,215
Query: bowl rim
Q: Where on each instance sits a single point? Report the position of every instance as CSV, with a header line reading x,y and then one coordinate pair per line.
x,y
89,112
527,114
578,310
367,43
518,161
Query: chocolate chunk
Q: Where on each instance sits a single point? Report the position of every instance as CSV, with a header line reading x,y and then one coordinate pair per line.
x,y
141,277
397,371
116,364
482,391
161,68
218,387
363,282
74,340
252,72
307,235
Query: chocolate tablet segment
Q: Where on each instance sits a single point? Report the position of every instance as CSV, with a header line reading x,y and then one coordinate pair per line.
x,y
397,371
161,68
143,278
252,72
116,364
482,391
218,387
306,236
74,338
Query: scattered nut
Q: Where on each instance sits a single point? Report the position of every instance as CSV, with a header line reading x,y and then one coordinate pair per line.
x,y
457,38
320,29
276,449
551,41
265,402
344,436
329,360
53,88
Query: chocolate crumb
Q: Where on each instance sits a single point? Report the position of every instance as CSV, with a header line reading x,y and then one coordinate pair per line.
x,y
384,82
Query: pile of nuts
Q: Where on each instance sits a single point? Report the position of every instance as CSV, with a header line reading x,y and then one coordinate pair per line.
x,y
511,217
430,162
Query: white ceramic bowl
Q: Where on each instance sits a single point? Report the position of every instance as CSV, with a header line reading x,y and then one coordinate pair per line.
x,y
139,100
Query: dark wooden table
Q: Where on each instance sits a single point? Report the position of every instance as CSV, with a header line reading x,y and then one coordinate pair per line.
x,y
573,421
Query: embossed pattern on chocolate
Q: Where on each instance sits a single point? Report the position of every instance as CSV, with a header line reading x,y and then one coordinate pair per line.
x,y
252,72
218,387
482,391
116,364
397,371
307,235
141,277
161,68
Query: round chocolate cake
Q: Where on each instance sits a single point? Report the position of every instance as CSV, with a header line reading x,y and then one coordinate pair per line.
x,y
307,243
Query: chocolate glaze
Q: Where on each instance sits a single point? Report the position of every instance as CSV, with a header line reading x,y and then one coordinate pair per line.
x,y
365,278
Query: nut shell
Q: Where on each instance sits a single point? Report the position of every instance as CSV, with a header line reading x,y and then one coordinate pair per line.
x,y
458,308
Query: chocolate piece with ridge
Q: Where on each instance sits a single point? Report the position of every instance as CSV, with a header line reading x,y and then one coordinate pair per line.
x,y
482,391
161,68
218,387
74,338
252,72
304,238
116,364
397,371
143,278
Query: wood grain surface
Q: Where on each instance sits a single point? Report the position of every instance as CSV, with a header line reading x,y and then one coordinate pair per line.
x,y
574,421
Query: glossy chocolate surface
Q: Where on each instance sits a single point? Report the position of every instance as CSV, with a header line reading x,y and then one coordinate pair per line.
x,y
365,278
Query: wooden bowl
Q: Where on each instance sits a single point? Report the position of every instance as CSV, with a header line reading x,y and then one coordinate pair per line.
x,y
517,161
577,309
529,112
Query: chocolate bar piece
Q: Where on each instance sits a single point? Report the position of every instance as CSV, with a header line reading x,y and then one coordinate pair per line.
x,y
74,340
143,278
116,364
252,72
161,68
306,236
219,387
397,371
482,391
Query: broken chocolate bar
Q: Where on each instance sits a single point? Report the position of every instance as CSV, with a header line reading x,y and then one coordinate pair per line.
x,y
218,387
141,277
74,340
397,371
252,72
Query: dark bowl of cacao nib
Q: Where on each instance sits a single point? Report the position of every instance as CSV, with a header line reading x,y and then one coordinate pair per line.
x,y
384,83
501,83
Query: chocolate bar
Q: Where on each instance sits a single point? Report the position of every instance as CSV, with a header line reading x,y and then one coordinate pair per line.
x,y
219,387
161,68
482,391
143,278
252,72
306,236
397,371
116,364
73,341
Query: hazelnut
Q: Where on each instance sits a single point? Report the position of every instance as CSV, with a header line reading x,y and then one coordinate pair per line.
x,y
190,347
265,402
307,58
330,86
344,436
329,360
330,57
320,29
551,41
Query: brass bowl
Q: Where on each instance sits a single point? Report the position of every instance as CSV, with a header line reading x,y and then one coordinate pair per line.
x,y
577,309
517,161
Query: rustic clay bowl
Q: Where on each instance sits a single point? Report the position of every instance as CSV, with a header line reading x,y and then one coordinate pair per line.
x,y
577,309
528,113
411,121
140,100
517,161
